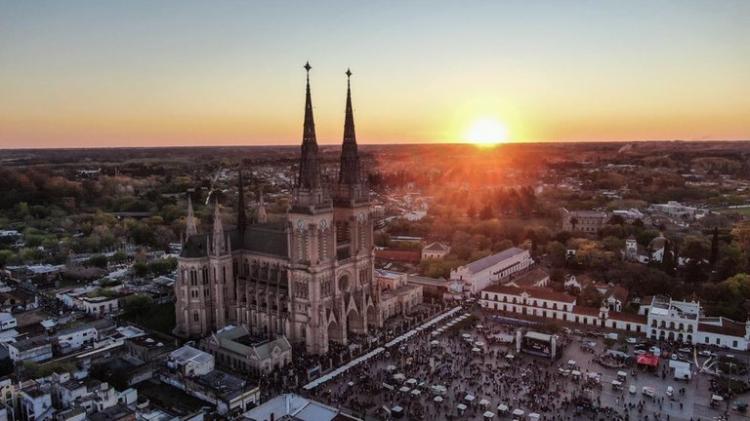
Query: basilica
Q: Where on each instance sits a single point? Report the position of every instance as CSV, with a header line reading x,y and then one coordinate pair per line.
x,y
308,277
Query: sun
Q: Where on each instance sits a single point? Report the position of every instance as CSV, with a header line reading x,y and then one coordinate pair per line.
x,y
487,131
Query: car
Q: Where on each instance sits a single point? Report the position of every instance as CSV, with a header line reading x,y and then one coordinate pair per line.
x,y
631,340
706,353
639,351
632,389
685,350
655,350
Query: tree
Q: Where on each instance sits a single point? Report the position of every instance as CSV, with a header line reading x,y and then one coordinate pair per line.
x,y
486,213
471,212
556,252
590,297
99,261
616,220
138,304
713,259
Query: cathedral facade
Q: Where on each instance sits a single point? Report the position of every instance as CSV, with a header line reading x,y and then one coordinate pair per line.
x,y
308,277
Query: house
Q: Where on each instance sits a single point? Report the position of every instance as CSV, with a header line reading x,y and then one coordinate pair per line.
x,y
33,349
536,277
190,361
585,221
34,403
481,273
634,252
397,296
439,288
294,407
435,251
675,210
7,321
235,348
99,306
76,337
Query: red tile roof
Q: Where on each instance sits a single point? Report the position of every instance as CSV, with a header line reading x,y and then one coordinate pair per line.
x,y
586,311
411,256
538,293
728,327
627,317
531,278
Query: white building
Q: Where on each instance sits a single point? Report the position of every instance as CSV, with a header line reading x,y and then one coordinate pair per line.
x,y
190,361
74,338
35,404
7,321
100,306
683,321
295,407
435,251
675,210
33,349
481,273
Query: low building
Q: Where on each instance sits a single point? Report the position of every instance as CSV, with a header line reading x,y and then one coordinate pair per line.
x,y
235,348
435,251
586,221
438,288
231,395
36,349
294,407
397,296
190,361
74,338
34,403
493,269
100,306
7,321
675,210
536,277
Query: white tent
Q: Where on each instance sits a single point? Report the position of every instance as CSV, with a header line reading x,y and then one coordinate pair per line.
x,y
466,336
435,343
469,398
476,350
404,389
489,415
399,377
416,392
461,407
411,381
518,412
484,402
438,399
391,368
502,408
534,416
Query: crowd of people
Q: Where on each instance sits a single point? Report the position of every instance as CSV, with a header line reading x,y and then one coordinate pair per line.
x,y
464,374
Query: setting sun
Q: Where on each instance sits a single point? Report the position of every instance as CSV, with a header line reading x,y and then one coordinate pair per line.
x,y
487,131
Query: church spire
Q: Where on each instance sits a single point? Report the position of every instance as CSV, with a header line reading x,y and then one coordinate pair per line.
x,y
218,231
190,228
241,215
309,170
349,172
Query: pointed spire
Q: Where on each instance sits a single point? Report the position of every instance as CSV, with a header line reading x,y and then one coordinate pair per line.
x,y
261,214
218,231
241,215
309,171
349,172
190,228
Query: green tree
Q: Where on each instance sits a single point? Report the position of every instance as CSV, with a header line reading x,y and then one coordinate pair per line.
x,y
99,261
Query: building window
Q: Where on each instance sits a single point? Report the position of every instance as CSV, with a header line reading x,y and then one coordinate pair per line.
x,y
195,317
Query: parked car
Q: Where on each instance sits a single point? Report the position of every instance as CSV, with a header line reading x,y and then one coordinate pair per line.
x,y
631,340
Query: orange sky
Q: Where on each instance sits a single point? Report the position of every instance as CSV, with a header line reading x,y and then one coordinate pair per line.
x,y
87,73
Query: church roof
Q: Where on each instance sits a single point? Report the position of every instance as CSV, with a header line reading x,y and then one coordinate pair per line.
x,y
268,238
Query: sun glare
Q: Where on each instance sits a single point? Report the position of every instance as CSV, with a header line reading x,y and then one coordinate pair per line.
x,y
487,131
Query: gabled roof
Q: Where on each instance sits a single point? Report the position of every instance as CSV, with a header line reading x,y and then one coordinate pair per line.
x,y
723,326
538,293
489,261
437,246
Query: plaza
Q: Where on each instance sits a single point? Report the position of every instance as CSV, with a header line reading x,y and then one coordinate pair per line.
x,y
465,367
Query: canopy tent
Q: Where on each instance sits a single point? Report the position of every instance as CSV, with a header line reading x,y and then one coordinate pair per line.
x,y
502,408
518,412
622,374
461,407
476,350
488,415
399,377
534,416
484,402
411,381
435,343
509,356
438,399
391,368
404,389
416,392
469,398
649,360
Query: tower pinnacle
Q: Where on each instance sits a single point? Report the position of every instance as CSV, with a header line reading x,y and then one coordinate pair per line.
x,y
190,228
241,215
349,172
309,171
